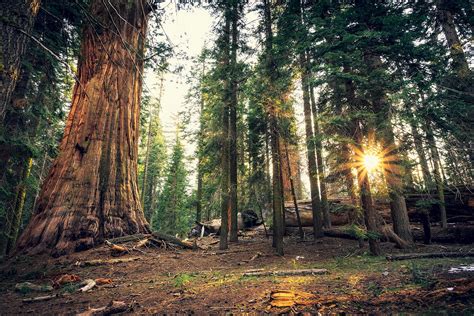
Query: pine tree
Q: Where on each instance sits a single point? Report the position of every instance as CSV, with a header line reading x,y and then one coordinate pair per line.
x,y
17,19
173,213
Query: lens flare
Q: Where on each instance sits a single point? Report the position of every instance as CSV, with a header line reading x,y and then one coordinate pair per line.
x,y
371,162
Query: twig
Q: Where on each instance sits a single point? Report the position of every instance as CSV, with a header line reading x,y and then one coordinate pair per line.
x,y
287,272
40,298
430,255
99,262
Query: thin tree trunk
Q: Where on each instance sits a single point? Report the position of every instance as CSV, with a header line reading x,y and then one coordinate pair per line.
x,y
446,19
310,143
200,149
293,193
16,23
145,171
278,206
91,192
320,161
147,185
349,180
12,157
233,124
392,167
19,205
268,180
225,158
15,214
465,77
312,167
437,173
418,142
370,215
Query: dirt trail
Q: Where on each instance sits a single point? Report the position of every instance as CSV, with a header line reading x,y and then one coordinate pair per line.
x,y
211,281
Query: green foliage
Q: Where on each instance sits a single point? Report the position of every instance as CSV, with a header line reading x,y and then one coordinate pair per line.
x,y
357,231
34,121
182,279
152,155
375,288
420,276
173,214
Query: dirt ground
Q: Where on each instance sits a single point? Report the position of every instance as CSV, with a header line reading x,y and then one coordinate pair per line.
x,y
164,281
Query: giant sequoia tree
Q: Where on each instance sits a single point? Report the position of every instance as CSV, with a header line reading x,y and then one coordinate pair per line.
x,y
91,192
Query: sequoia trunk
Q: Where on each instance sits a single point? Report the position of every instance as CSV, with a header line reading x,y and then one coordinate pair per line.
x,y
91,192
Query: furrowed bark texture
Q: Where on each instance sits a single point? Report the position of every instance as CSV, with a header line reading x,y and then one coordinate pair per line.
x,y
91,192
16,21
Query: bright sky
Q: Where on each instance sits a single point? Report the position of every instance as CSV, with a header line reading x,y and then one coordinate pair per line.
x,y
187,31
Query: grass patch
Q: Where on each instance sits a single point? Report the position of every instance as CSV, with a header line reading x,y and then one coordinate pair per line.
x,y
183,279
422,276
245,278
71,287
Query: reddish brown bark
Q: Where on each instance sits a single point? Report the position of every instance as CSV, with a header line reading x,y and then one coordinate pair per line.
x,y
91,192
294,158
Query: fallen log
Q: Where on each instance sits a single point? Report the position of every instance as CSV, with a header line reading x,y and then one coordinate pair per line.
x,y
40,298
258,254
100,262
124,239
88,285
430,255
459,234
114,307
339,233
116,250
174,240
386,234
286,272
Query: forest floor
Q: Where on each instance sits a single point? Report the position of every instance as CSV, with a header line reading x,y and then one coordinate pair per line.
x,y
211,281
